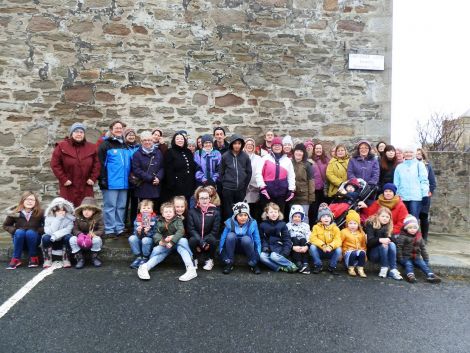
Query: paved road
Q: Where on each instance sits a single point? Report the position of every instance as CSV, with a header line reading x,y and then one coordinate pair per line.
x,y
110,310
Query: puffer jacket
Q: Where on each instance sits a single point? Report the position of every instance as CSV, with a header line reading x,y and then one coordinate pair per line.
x,y
250,229
411,180
115,160
275,237
147,166
277,176
336,174
395,205
322,236
364,168
374,234
87,225
299,232
410,247
58,227
353,241
203,224
304,183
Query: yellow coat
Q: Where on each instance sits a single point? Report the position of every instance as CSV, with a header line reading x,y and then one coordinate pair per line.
x,y
322,236
353,241
336,173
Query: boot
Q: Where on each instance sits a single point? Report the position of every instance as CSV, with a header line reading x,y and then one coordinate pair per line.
x,y
80,260
189,274
351,271
47,253
65,259
95,259
360,271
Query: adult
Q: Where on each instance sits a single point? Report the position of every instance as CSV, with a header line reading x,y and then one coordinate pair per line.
x,y
380,148
426,201
115,161
388,163
276,178
337,170
147,167
192,145
252,192
411,179
130,139
75,164
309,147
157,136
320,163
265,148
207,163
235,174
304,180
287,146
363,164
219,140
179,168
399,154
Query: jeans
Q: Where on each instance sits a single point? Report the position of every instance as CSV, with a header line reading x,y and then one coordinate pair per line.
x,y
243,245
420,263
96,244
318,254
355,258
58,244
274,261
413,207
141,246
114,210
25,236
159,253
386,256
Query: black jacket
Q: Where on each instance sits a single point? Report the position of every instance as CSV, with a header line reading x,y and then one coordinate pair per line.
x,y
275,237
373,235
203,225
411,247
235,170
179,172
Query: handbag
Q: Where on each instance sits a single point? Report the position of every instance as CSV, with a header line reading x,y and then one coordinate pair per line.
x,y
135,180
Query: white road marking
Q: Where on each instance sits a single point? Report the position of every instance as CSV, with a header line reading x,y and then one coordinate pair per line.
x,y
15,298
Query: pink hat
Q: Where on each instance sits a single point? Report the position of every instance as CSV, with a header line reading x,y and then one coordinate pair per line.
x,y
84,241
276,141
308,143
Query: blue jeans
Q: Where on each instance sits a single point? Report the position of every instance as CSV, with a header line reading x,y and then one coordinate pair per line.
x,y
386,256
318,254
159,253
420,263
25,236
58,244
141,246
274,261
114,210
355,258
243,245
413,207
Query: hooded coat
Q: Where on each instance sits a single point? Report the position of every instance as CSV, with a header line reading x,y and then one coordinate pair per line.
x,y
235,169
58,227
115,160
299,233
87,225
275,237
366,168
336,174
411,180
411,247
250,229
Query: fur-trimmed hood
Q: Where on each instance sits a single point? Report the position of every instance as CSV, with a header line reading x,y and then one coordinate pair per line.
x,y
62,203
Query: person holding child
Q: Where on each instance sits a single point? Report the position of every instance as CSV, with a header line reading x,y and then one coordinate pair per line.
x,y
276,243
141,241
353,245
58,227
299,232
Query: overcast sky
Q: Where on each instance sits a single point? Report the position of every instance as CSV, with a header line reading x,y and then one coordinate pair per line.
x,y
431,62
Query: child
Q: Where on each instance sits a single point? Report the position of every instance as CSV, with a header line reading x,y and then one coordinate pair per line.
x,y
169,232
411,250
380,246
88,231
58,230
141,242
345,197
240,234
181,209
325,241
354,244
299,232
25,225
275,240
207,163
215,199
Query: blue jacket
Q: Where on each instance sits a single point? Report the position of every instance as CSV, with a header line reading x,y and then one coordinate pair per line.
x,y
275,237
147,166
365,168
115,160
411,180
250,228
200,158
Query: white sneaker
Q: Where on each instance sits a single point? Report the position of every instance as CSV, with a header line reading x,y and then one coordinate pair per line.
x,y
395,274
209,265
195,263
66,263
383,272
143,272
47,263
189,274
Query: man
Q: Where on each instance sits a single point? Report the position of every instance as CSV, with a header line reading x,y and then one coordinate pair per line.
x,y
265,148
219,140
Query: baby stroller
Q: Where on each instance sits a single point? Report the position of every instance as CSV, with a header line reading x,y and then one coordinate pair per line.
x,y
344,201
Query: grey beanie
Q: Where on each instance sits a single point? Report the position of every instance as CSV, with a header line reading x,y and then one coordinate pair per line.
x,y
77,126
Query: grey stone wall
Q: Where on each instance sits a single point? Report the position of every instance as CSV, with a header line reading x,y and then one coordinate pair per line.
x,y
193,64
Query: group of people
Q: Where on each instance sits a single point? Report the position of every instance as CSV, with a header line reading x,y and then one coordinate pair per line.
x,y
215,196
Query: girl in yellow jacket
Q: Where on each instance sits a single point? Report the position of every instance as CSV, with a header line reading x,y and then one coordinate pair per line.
x,y
325,241
354,244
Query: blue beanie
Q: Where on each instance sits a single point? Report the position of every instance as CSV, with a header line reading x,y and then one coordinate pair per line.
x,y
391,187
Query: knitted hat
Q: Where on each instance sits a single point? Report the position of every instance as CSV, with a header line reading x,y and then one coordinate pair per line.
x,y
324,210
77,126
241,207
308,143
353,216
391,187
364,141
128,131
206,138
296,209
276,141
410,220
287,140
250,139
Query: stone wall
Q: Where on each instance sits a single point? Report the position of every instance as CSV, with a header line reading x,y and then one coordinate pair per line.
x,y
450,208
193,64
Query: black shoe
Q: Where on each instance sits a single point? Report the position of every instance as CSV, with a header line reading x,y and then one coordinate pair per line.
x,y
255,269
332,270
317,269
304,269
95,260
227,269
80,260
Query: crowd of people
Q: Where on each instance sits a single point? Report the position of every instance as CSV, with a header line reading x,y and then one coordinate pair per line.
x,y
212,197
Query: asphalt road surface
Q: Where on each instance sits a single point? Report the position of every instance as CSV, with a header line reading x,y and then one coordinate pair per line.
x,y
111,310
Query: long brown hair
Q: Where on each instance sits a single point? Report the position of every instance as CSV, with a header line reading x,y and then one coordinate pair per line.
x,y
384,161
37,206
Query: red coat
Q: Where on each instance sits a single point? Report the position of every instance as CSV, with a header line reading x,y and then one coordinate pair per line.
x,y
398,208
77,163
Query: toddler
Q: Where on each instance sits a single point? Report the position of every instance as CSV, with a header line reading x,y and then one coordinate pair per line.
x,y
141,242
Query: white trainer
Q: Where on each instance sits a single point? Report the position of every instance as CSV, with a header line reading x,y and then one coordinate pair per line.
x,y
189,274
209,265
383,272
195,263
143,272
47,263
395,274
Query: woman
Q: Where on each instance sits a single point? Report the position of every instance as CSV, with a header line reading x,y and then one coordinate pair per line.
x,y
157,136
320,164
336,171
147,166
179,169
426,201
380,147
287,146
388,163
304,180
252,192
75,164
364,165
132,145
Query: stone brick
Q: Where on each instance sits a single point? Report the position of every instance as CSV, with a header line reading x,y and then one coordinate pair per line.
x,y
197,75
258,93
200,99
274,3
305,103
93,74
35,138
318,24
104,97
97,3
165,110
41,24
89,113
81,26
330,5
44,84
350,26
79,94
166,90
228,100
23,162
6,180
7,139
252,102
272,104
175,100
214,110
18,10
230,119
19,118
137,90
25,96
139,29
140,112
116,29
338,130
186,111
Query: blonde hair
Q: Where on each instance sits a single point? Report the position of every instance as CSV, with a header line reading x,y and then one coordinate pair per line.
x,y
146,202
374,220
37,207
180,198
167,205
274,206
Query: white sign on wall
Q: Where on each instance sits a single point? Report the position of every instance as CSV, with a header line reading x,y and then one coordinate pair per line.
x,y
366,62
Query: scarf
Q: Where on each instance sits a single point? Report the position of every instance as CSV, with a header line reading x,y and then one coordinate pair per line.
x,y
148,150
390,204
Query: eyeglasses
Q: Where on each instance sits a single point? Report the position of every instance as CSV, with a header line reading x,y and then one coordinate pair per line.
x,y
204,198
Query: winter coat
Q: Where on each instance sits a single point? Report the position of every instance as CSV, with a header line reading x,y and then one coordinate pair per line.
x,y
395,205
322,236
145,220
147,166
336,174
299,232
386,175
277,176
76,162
235,170
250,229
353,241
203,224
252,192
431,178
58,227
319,168
87,225
411,180
204,176
163,229
373,235
411,247
221,149
304,183
365,168
263,150
17,220
179,172
275,237
115,160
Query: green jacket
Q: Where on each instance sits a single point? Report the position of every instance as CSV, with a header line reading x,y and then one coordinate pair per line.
x,y
163,229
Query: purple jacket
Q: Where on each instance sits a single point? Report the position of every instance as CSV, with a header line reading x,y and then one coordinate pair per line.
x,y
147,166
367,169
319,171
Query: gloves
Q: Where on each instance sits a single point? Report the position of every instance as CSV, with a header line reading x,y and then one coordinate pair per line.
x,y
291,196
265,193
